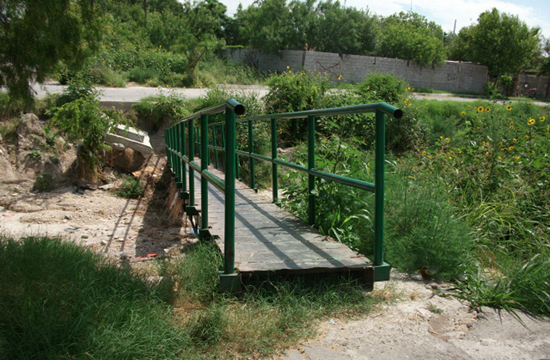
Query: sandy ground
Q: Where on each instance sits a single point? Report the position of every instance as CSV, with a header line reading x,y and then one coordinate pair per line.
x,y
424,325
420,325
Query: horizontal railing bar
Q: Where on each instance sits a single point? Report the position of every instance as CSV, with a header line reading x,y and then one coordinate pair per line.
x,y
344,180
215,109
354,109
213,179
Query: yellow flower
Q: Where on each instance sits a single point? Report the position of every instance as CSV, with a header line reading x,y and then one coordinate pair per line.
x,y
287,67
487,153
548,128
487,110
526,137
509,107
517,158
410,104
515,140
424,153
511,124
511,148
531,121
480,109
500,158
542,118
340,77
463,113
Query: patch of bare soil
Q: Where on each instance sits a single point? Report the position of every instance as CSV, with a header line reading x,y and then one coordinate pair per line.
x,y
93,216
423,324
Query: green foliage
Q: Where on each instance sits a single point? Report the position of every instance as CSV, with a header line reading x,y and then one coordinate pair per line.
x,y
523,288
295,91
131,188
11,107
79,116
501,41
155,111
35,155
382,87
60,300
44,182
35,40
274,25
410,36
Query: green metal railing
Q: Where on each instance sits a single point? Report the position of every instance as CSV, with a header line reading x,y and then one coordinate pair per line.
x,y
181,147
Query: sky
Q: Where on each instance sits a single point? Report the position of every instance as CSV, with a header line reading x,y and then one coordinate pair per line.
x,y
445,12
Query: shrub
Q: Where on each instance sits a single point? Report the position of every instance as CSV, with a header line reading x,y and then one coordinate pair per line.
x,y
155,111
131,188
382,87
44,182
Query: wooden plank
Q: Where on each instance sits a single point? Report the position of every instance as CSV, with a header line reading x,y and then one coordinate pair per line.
x,y
269,239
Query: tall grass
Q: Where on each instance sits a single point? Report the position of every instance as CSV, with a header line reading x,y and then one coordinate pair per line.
x,y
59,300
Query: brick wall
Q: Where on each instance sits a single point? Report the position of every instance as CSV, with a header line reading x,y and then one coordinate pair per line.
x,y
451,76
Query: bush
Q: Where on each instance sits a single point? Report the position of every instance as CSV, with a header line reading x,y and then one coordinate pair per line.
x,y
155,111
131,188
382,87
44,182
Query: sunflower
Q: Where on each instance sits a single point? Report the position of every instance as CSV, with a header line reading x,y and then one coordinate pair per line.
x,y
463,113
508,107
531,121
480,109
487,110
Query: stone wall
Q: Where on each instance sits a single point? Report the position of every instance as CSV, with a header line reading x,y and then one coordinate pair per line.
x,y
528,81
451,76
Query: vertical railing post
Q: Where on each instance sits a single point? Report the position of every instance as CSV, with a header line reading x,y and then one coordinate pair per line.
x,y
203,232
274,175
177,158
181,132
251,159
230,172
380,149
215,142
191,132
311,166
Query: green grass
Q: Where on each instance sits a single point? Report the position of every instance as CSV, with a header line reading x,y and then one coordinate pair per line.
x,y
59,300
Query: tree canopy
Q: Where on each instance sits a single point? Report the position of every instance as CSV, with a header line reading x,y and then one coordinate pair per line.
x,y
501,41
36,35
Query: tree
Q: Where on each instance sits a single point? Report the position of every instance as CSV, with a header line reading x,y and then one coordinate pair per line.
x,y
501,41
410,36
36,35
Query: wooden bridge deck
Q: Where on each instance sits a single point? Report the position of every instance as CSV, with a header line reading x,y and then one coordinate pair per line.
x,y
269,239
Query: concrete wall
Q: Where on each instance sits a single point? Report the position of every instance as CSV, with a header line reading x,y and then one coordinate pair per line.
x,y
451,76
528,81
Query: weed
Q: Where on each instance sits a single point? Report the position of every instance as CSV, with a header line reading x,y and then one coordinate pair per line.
x,y
434,309
35,155
44,182
382,87
131,188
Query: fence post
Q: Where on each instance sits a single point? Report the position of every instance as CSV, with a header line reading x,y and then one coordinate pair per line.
x,y
311,166
191,132
215,141
274,175
250,158
203,231
380,149
181,132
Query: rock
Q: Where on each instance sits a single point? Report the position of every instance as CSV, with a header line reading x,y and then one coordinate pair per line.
x,y
103,242
84,237
127,160
29,132
68,217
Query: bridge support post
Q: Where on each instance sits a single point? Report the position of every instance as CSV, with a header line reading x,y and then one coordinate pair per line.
x,y
381,269
311,166
230,173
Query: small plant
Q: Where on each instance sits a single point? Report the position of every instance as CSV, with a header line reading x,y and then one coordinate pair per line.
x,y
434,309
131,188
44,182
35,155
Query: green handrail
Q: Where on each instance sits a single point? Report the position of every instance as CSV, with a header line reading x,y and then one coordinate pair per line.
x,y
179,157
